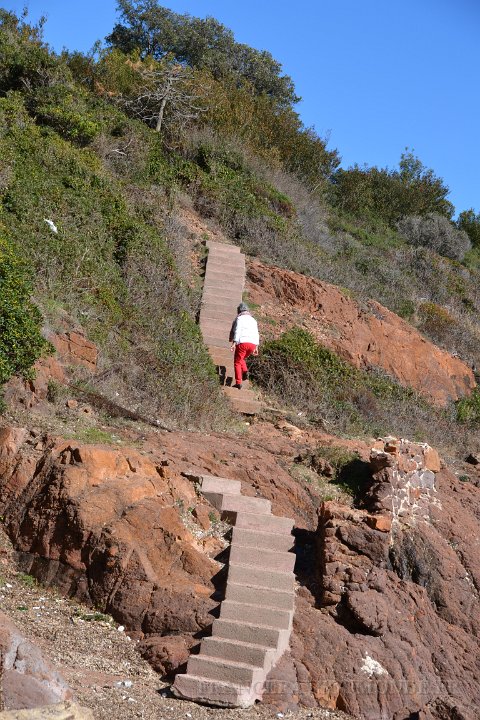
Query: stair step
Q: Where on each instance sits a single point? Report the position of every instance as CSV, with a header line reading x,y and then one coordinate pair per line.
x,y
271,524
212,483
241,395
262,540
217,341
225,502
222,314
246,632
218,327
273,617
266,559
213,692
251,594
237,651
232,265
214,245
224,670
248,575
246,407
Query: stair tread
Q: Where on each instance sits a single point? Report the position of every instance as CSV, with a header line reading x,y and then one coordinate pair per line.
x,y
222,683
253,605
259,587
219,640
244,623
222,661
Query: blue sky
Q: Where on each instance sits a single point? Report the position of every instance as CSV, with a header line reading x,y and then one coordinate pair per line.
x,y
375,75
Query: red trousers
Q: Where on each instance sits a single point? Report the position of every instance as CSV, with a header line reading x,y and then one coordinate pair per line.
x,y
242,352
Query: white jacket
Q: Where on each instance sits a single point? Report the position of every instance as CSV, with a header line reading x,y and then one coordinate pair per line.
x,y
245,329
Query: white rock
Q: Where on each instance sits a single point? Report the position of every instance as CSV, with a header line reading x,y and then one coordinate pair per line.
x,y
372,667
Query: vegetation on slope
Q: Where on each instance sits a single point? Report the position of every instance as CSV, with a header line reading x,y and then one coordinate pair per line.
x,y
105,144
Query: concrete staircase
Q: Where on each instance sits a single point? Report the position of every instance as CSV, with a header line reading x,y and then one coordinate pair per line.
x,y
253,629
222,293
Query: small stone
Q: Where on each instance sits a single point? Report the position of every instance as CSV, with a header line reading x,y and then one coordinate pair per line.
x,y
121,628
72,404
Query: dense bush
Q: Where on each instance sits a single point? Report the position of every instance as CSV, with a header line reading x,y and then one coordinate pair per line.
x,y
389,195
21,342
468,409
437,233
469,222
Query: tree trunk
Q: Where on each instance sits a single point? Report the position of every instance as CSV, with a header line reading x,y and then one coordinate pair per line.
x,y
158,126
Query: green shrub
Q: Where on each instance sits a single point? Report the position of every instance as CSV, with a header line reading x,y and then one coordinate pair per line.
x,y
468,408
302,373
21,342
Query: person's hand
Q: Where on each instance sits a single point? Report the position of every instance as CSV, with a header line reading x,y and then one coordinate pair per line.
x,y
232,347
255,352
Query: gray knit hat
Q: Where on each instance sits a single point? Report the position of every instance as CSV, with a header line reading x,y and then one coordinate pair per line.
x,y
242,308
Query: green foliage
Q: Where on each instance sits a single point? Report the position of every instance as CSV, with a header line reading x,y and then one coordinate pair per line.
x,y
468,409
26,60
21,343
200,43
389,195
308,376
469,222
63,110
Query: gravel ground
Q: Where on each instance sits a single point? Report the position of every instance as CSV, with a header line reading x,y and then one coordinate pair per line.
x,y
99,661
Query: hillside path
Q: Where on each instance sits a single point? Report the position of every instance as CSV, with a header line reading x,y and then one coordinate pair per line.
x,y
222,292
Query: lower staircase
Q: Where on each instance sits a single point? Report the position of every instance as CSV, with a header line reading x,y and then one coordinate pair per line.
x,y
222,293
255,622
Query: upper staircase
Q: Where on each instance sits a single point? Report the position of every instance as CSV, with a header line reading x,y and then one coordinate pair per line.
x,y
255,622
222,293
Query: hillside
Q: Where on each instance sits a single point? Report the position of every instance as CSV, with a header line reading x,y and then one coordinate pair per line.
x,y
117,168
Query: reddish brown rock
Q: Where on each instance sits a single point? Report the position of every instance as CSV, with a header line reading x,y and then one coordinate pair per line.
x,y
74,349
28,679
102,524
166,654
373,337
28,393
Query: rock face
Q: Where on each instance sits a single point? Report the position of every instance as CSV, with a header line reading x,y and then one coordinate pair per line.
x,y
73,348
394,606
373,337
105,526
28,679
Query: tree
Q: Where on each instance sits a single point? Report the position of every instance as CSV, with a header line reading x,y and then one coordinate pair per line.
x,y
470,223
164,87
389,195
199,43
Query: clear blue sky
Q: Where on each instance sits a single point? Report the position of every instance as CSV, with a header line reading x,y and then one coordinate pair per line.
x,y
376,75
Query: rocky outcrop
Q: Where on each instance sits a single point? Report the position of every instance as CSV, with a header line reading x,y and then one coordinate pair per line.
x,y
73,348
28,680
106,527
367,337
394,603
